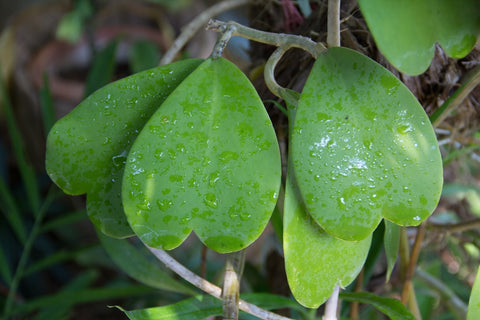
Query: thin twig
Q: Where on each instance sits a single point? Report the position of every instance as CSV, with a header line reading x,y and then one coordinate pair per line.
x,y
209,287
331,305
456,99
333,27
408,292
455,227
196,24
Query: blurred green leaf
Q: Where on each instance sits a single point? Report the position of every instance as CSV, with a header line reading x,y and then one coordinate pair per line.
x,y
60,311
144,55
392,308
82,296
11,212
136,263
71,26
26,170
474,302
103,68
406,31
5,271
46,102
392,243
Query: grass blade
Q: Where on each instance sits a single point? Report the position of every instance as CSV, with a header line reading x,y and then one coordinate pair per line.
x,y
12,213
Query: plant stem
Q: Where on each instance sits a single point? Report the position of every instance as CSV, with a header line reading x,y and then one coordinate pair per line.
x,y
231,285
456,99
209,287
455,227
331,305
196,24
286,41
333,27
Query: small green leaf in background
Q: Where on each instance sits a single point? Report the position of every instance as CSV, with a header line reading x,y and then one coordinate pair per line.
x,y
87,149
103,68
391,241
316,262
406,31
392,308
474,302
144,55
207,160
71,26
136,264
363,148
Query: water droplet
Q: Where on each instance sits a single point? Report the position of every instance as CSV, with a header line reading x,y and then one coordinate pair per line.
x,y
416,218
245,216
164,204
213,178
119,160
211,200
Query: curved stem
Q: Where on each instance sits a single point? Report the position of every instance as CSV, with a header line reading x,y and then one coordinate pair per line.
x,y
196,24
209,287
286,41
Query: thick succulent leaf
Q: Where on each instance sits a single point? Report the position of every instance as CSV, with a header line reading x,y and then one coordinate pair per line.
x,y
316,262
207,160
406,31
474,301
87,149
363,148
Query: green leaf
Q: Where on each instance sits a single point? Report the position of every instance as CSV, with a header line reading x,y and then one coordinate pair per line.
x,y
391,241
87,149
393,308
208,160
137,265
203,306
143,55
316,262
406,31
474,302
102,70
196,308
363,148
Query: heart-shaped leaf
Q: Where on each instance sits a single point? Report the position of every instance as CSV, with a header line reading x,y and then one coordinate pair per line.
x,y
363,148
87,149
207,160
406,31
316,262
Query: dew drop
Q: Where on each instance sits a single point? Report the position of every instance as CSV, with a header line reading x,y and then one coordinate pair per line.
x,y
211,200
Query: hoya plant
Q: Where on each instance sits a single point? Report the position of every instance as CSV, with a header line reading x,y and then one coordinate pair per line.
x,y
189,147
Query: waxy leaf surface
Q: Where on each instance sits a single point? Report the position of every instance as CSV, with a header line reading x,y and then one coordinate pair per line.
x,y
208,160
87,149
363,148
316,262
406,31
